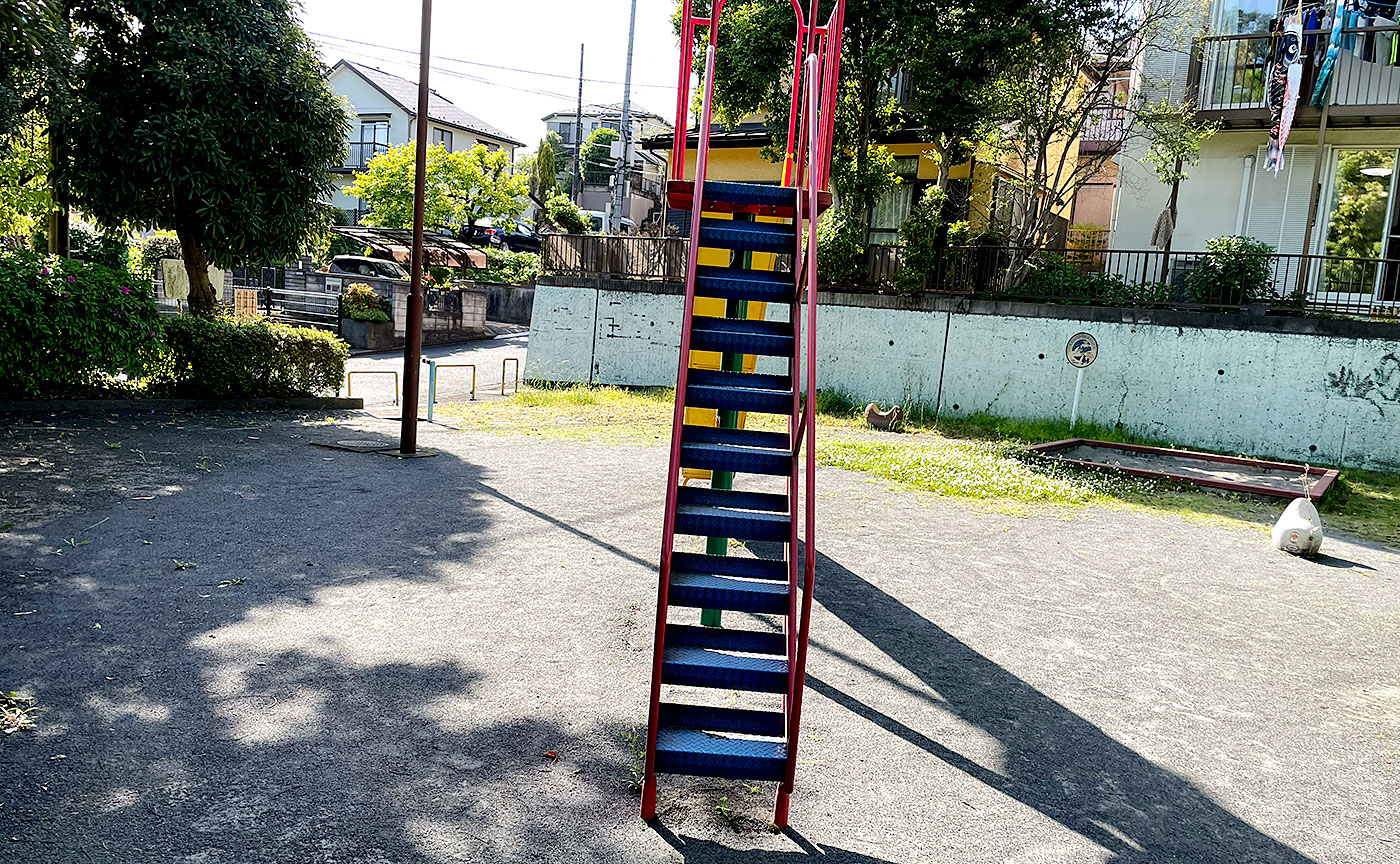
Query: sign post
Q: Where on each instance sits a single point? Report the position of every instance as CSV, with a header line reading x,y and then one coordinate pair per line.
x,y
1081,351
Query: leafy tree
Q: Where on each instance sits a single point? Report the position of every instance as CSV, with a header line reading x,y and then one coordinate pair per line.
x,y
29,37
460,188
24,181
209,117
598,164
561,212
543,168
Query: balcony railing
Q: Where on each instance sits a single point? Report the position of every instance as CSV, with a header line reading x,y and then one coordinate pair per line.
x,y
360,152
1197,281
1228,72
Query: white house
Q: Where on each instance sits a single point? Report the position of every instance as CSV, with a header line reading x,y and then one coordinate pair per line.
x,y
646,180
1339,162
384,110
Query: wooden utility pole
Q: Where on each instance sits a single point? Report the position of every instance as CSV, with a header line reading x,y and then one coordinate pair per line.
x,y
413,321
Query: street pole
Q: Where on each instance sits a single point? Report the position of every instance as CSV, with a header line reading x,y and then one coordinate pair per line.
x,y
624,163
578,130
413,343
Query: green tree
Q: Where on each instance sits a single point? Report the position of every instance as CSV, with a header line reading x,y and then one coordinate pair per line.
x,y
461,188
565,215
209,117
596,157
29,31
24,181
543,168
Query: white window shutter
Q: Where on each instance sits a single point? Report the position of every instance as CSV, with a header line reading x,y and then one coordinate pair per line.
x,y
1278,205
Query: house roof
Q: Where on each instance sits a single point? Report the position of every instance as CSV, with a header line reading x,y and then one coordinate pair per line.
x,y
590,109
404,93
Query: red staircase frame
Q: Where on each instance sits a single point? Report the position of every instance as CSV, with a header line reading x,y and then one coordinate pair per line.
x,y
806,166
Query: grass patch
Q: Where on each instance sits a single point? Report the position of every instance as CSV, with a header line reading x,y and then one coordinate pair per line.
x,y
976,457
14,713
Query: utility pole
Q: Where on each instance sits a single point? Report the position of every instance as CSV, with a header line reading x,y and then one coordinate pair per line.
x,y
413,324
624,162
578,130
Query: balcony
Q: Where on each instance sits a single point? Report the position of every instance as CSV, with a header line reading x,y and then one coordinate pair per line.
x,y
358,155
1227,76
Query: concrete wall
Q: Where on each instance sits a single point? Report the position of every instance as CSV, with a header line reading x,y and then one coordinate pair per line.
x,y
509,303
1320,390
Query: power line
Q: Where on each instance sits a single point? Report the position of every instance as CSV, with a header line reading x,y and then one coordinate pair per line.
x,y
452,73
670,87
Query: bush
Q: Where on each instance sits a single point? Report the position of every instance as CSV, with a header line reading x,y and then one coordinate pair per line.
x,y
510,267
565,215
359,299
155,249
1235,271
108,248
68,328
221,358
919,235
374,316
1053,277
840,249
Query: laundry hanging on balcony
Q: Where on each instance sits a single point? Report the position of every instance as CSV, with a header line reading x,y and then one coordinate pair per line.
x,y
1334,47
1284,75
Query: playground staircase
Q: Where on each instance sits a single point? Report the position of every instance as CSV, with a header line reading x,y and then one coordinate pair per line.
x,y
726,690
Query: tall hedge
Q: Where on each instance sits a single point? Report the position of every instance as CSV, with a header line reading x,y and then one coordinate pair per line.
x,y
68,328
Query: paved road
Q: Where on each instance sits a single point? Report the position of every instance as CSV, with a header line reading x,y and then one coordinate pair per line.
x,y
368,660
454,385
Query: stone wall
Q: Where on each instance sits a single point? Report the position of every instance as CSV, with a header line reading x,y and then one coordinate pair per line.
x,y
1326,391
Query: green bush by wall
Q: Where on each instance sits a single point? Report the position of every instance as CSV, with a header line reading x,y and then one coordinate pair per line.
x,y
68,328
220,358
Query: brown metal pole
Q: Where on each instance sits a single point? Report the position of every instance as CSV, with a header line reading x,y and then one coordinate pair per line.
x,y
413,323
1314,196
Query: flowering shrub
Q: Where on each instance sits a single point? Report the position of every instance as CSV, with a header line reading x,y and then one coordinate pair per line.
x,y
68,328
221,358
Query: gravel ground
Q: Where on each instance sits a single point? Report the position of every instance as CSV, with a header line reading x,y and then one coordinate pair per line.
x,y
249,649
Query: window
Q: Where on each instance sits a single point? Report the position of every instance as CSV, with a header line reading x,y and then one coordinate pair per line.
x,y
443,137
374,139
566,132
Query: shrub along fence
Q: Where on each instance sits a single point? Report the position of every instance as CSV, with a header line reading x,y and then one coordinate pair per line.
x,y
1232,273
70,329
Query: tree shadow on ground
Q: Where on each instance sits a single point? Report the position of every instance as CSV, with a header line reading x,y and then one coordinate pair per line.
x,y
282,699
697,851
1055,761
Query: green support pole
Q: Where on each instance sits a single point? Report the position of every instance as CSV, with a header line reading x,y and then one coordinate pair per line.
x,y
727,419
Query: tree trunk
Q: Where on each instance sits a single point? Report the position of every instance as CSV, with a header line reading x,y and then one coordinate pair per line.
x,y
202,299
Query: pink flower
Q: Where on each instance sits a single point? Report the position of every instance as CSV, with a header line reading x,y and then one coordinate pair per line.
x,y
126,290
70,279
44,271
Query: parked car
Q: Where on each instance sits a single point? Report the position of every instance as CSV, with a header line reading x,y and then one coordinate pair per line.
x,y
358,265
508,233
598,218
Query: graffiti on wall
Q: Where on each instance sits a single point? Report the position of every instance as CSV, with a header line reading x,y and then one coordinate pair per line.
x,y
1380,386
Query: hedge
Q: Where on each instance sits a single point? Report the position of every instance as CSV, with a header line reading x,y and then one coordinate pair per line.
x,y
68,328
221,358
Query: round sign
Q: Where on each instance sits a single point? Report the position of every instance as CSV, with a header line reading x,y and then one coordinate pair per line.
x,y
1081,350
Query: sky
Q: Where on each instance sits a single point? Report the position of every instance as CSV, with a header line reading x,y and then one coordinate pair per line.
x,y
541,37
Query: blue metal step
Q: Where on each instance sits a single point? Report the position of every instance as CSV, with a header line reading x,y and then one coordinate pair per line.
x,y
690,751
733,284
727,457
750,193
738,524
750,380
729,565
700,591
740,336
695,434
702,496
747,236
739,391
725,639
745,721
700,667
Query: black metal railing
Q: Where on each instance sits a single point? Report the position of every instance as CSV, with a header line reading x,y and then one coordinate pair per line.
x,y
1229,72
360,152
661,258
1084,273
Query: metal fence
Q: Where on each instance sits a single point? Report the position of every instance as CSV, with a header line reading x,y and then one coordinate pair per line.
x,y
661,258
1083,273
1229,71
